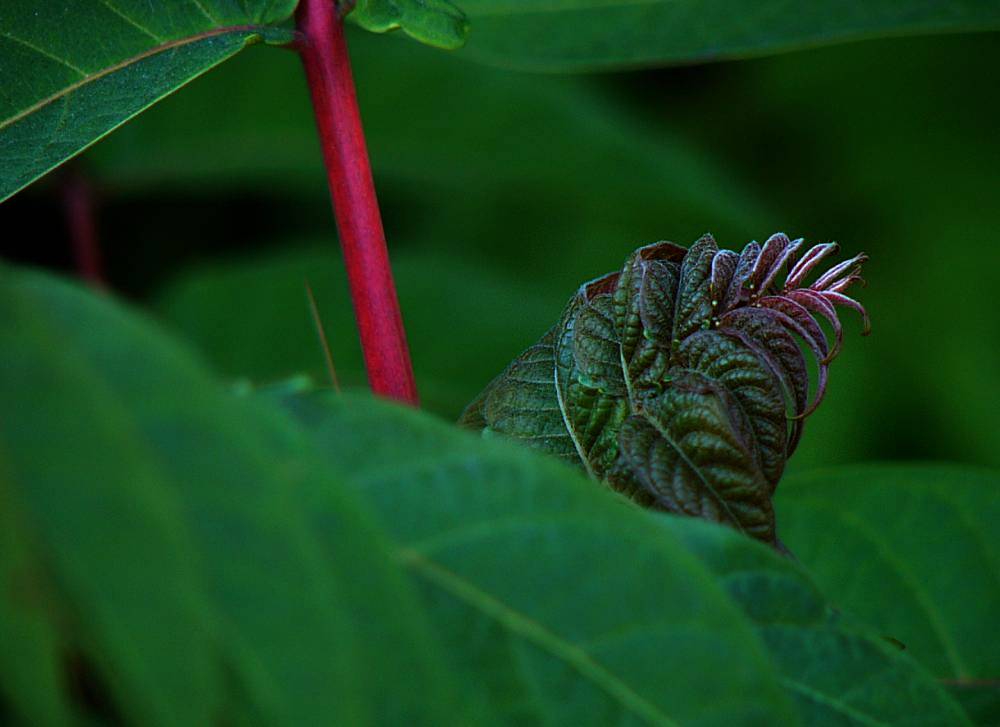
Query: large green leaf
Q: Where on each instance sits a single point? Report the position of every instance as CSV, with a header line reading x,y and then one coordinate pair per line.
x,y
86,492
582,35
75,71
30,669
578,609
568,605
159,543
555,600
838,671
914,551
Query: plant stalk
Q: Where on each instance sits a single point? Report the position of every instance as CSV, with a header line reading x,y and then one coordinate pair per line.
x,y
78,204
323,50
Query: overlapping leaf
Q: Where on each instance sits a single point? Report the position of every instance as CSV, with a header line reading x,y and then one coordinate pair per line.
x,y
157,548
581,35
576,605
917,555
220,520
675,380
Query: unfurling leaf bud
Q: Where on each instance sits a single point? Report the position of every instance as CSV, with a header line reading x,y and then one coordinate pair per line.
x,y
681,380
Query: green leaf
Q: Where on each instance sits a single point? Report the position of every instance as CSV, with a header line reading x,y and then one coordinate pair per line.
x,y
552,577
979,699
758,393
838,671
169,517
518,405
537,583
585,35
541,584
912,550
73,73
435,22
588,379
101,512
29,662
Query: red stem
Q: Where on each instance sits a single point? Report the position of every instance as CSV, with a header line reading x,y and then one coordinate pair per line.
x,y
78,202
380,324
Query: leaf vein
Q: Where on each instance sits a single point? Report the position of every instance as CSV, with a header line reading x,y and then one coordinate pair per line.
x,y
131,21
45,53
827,701
532,631
90,78
912,583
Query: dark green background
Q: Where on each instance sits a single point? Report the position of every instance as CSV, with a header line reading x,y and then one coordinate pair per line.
x,y
503,191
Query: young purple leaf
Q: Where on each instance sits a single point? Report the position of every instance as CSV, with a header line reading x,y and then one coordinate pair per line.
x,y
682,380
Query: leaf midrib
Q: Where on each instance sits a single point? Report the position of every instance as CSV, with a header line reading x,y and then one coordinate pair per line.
x,y
104,72
529,629
687,460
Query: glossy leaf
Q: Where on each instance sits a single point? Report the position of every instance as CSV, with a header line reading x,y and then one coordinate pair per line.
x,y
675,381
531,571
583,35
435,22
162,548
912,550
74,72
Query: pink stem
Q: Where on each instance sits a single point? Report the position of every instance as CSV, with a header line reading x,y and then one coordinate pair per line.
x,y
380,324
78,202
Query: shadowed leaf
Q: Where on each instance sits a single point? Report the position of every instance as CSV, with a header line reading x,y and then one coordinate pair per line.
x,y
917,556
582,35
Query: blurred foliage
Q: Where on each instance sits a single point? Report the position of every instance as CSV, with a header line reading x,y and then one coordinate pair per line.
x,y
524,186
250,315
296,557
502,192
584,35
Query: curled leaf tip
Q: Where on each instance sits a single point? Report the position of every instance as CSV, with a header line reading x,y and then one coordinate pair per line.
x,y
681,380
